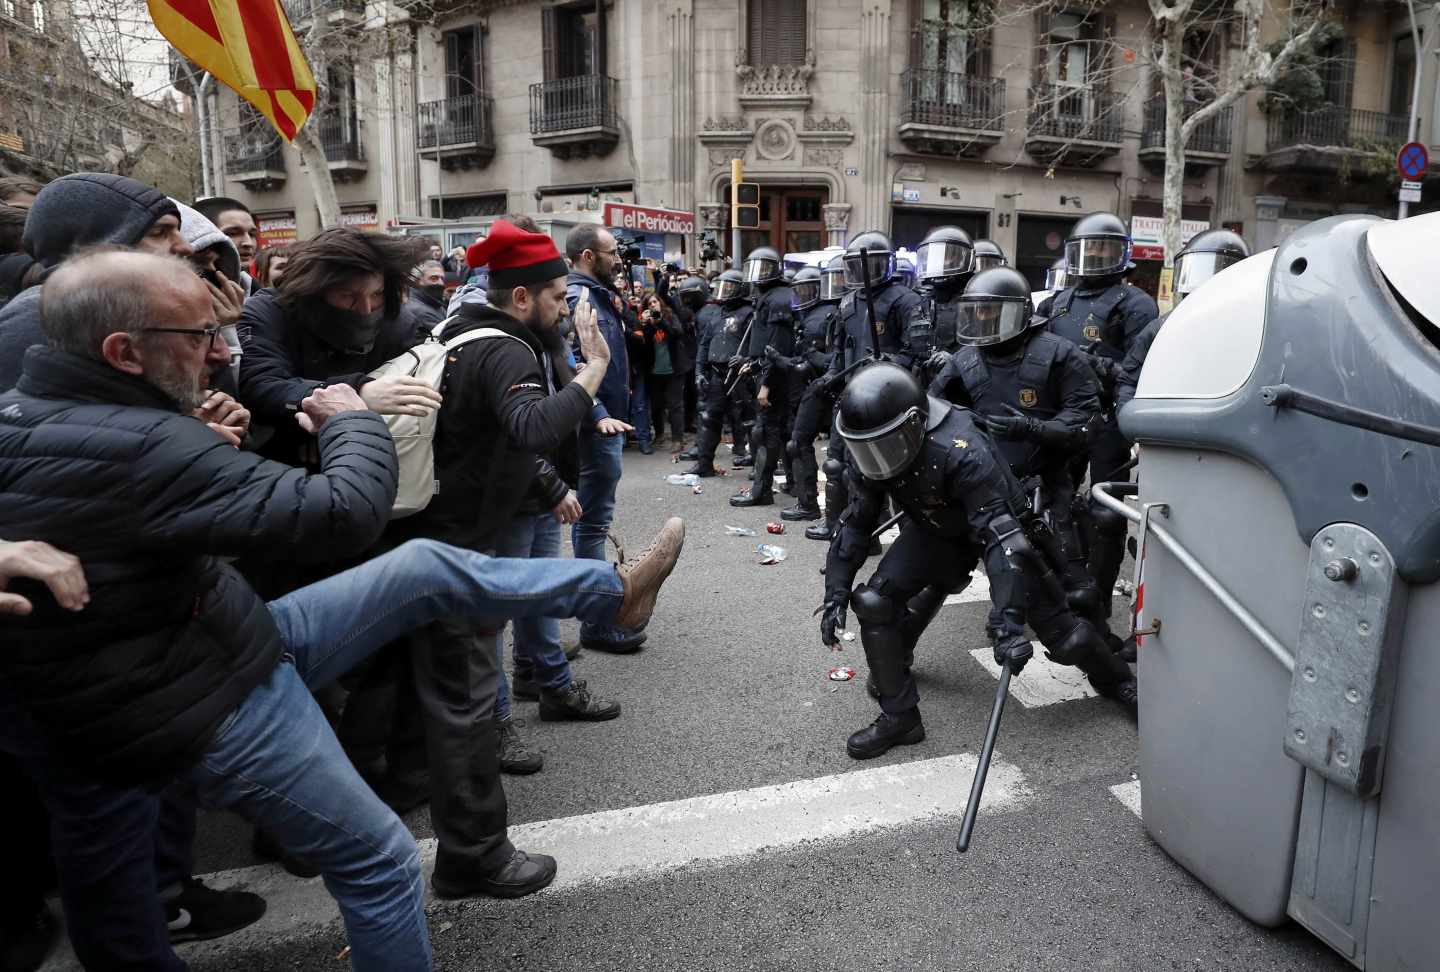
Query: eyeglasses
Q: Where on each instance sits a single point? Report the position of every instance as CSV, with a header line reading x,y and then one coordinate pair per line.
x,y
209,333
610,252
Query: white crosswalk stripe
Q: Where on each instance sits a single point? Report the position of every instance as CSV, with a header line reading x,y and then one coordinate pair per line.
x,y
1129,794
1042,682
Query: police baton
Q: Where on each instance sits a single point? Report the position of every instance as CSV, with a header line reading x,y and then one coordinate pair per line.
x,y
869,300
730,385
886,525
967,826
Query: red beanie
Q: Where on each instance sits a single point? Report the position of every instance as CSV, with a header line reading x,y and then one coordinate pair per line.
x,y
516,258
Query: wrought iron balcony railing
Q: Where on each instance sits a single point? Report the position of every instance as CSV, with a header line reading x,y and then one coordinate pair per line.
x,y
253,153
950,100
1334,127
1212,135
461,121
1075,112
568,104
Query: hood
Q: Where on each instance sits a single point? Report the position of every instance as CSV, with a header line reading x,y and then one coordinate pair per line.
x,y
91,207
13,267
470,293
202,234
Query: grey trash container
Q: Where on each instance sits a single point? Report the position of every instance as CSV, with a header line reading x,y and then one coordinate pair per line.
x,y
1289,423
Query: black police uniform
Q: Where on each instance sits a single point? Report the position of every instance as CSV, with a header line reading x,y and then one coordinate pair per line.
x,y
1128,376
1104,322
772,327
963,506
719,343
900,319
812,410
1045,378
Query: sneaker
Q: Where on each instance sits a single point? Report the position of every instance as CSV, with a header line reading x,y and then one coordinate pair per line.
x,y
628,645
264,847
26,943
646,449
522,874
643,576
574,703
198,914
516,758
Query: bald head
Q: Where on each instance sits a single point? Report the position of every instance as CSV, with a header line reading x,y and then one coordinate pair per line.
x,y
99,292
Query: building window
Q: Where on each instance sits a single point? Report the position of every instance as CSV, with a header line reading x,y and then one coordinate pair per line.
x,y
37,15
1402,75
468,207
1337,72
574,40
463,64
7,9
776,31
950,37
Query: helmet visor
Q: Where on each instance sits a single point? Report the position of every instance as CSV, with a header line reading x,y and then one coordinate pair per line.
x,y
1097,256
990,320
943,259
804,294
1057,278
881,266
759,271
727,290
1193,269
832,285
988,261
886,452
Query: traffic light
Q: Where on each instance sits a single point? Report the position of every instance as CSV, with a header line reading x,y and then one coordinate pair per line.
x,y
745,205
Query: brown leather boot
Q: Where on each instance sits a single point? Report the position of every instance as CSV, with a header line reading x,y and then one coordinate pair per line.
x,y
643,576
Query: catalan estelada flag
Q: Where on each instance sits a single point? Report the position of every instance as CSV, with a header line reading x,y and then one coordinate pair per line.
x,y
247,44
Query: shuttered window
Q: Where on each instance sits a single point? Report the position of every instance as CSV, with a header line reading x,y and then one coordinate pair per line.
x,y
776,31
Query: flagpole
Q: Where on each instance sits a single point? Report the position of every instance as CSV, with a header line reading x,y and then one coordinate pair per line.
x,y
202,118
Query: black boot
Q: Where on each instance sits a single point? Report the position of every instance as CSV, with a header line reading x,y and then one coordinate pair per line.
x,y
885,733
744,461
758,494
705,468
802,511
824,530
689,455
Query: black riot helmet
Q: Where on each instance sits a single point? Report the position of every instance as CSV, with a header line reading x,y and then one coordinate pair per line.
x,y
905,271
730,288
832,279
762,266
1058,276
1098,247
693,292
945,255
988,255
805,289
788,274
995,307
1204,256
883,416
879,254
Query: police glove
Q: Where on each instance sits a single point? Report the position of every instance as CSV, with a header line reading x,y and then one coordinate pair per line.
x,y
937,361
702,382
1013,650
1106,369
1012,426
832,620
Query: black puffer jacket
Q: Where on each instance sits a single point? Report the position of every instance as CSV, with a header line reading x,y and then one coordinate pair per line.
x,y
98,463
284,362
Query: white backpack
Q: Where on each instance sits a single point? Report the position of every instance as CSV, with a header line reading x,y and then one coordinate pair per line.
x,y
414,436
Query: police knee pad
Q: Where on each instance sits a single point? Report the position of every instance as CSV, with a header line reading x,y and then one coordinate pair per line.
x,y
834,469
792,449
1076,646
1107,522
871,606
1084,600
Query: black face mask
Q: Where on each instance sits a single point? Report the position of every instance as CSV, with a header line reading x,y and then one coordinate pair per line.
x,y
345,329
435,292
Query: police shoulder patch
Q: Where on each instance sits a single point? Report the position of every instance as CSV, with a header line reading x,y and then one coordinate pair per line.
x,y
1028,397
962,444
1092,332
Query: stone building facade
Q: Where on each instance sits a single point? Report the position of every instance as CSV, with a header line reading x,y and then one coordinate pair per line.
x,y
850,114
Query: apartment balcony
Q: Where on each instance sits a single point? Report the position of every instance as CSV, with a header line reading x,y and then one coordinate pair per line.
x,y
333,12
943,113
343,148
1209,144
457,132
1329,139
255,161
1073,124
575,117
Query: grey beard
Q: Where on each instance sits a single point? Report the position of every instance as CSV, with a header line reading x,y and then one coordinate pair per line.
x,y
188,393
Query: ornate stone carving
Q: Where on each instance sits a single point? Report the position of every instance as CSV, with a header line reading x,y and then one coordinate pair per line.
x,y
837,216
813,124
775,140
720,157
713,216
777,80
827,157
724,124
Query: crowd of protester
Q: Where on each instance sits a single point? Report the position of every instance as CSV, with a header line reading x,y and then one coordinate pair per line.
x,y
206,599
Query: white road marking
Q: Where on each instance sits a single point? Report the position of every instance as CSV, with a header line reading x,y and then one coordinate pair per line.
x,y
618,845
978,590
1128,794
1042,682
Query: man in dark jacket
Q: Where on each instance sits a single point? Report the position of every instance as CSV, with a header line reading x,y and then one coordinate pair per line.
x,y
503,409
175,667
426,303
75,211
335,316
594,258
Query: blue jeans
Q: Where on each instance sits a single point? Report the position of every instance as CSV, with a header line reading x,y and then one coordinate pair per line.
x,y
600,469
640,410
537,652
276,761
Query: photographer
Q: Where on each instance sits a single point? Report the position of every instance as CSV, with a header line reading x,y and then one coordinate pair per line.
x,y
671,361
686,343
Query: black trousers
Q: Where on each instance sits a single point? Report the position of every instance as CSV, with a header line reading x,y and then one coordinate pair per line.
x,y
667,405
1104,533
716,407
771,432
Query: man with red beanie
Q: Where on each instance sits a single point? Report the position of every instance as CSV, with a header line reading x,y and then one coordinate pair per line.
x,y
509,399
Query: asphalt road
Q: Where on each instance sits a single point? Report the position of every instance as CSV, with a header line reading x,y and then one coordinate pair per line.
x,y
731,694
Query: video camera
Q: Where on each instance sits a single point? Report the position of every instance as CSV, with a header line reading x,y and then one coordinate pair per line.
x,y
710,247
629,249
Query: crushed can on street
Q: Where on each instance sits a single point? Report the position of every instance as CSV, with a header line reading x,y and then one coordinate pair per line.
x,y
773,527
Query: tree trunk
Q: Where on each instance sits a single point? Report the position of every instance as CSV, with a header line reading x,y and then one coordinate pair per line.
x,y
317,170
1173,81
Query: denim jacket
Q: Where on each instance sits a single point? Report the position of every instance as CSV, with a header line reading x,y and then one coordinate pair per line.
x,y
613,399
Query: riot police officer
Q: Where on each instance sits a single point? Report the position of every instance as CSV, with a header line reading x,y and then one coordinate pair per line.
x,y
963,506
989,255
903,330
947,259
1102,315
1037,398
817,306
693,294
770,340
817,406
716,372
1202,258
1058,276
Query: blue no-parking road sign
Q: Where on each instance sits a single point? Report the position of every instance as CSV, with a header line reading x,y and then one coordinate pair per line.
x,y
1413,161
